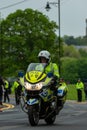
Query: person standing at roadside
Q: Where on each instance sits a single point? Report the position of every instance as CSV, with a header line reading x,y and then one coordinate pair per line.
x,y
1,89
17,89
79,87
85,89
6,90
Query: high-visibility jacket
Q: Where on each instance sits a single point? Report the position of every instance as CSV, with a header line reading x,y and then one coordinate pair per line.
x,y
63,86
52,67
79,85
6,86
14,86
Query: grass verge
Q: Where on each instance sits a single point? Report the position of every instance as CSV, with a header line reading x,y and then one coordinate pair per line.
x,y
72,93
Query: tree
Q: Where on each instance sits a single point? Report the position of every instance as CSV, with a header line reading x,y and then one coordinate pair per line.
x,y
70,51
23,35
82,68
83,52
69,40
70,69
78,41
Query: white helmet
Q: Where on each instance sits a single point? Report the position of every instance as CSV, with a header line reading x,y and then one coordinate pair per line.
x,y
44,54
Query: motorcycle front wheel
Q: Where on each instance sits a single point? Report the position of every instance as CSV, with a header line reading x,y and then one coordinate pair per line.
x,y
33,116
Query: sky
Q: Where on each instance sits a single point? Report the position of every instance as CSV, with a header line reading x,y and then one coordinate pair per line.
x,y
73,13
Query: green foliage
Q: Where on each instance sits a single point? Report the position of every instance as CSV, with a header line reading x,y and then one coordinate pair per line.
x,y
69,69
83,52
72,93
70,40
82,68
23,35
81,40
73,68
74,63
26,32
70,51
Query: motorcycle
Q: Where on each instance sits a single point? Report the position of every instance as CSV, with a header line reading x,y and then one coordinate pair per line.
x,y
39,100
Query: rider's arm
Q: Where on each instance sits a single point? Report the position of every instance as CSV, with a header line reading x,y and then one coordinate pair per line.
x,y
56,70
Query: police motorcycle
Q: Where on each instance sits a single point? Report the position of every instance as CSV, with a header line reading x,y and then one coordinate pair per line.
x,y
39,100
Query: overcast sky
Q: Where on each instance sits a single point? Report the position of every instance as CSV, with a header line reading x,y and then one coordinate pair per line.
x,y
73,13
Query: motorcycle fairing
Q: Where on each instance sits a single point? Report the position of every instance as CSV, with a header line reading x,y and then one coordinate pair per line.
x,y
32,101
34,76
46,95
60,92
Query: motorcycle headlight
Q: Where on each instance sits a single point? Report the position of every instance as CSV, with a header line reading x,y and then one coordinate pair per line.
x,y
29,86
39,86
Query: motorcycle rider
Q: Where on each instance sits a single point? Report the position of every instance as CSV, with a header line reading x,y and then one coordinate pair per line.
x,y
44,57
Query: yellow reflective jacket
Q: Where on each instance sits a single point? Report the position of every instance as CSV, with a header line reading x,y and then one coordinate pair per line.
x,y
52,67
14,86
79,85
63,86
6,84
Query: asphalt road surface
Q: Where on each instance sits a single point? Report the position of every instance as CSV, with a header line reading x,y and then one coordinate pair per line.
x,y
72,117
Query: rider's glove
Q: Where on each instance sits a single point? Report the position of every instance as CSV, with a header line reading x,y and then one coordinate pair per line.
x,y
54,79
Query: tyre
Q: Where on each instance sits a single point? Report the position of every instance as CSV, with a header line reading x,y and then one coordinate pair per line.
x,y
33,116
50,120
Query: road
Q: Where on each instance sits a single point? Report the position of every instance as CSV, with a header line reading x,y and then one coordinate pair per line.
x,y
72,117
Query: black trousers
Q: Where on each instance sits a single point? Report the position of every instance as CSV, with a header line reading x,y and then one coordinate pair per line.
x,y
17,97
85,94
79,95
1,94
6,96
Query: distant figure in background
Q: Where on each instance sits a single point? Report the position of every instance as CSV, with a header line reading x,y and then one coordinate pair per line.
x,y
1,89
17,89
79,87
85,88
6,90
62,86
21,78
62,82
